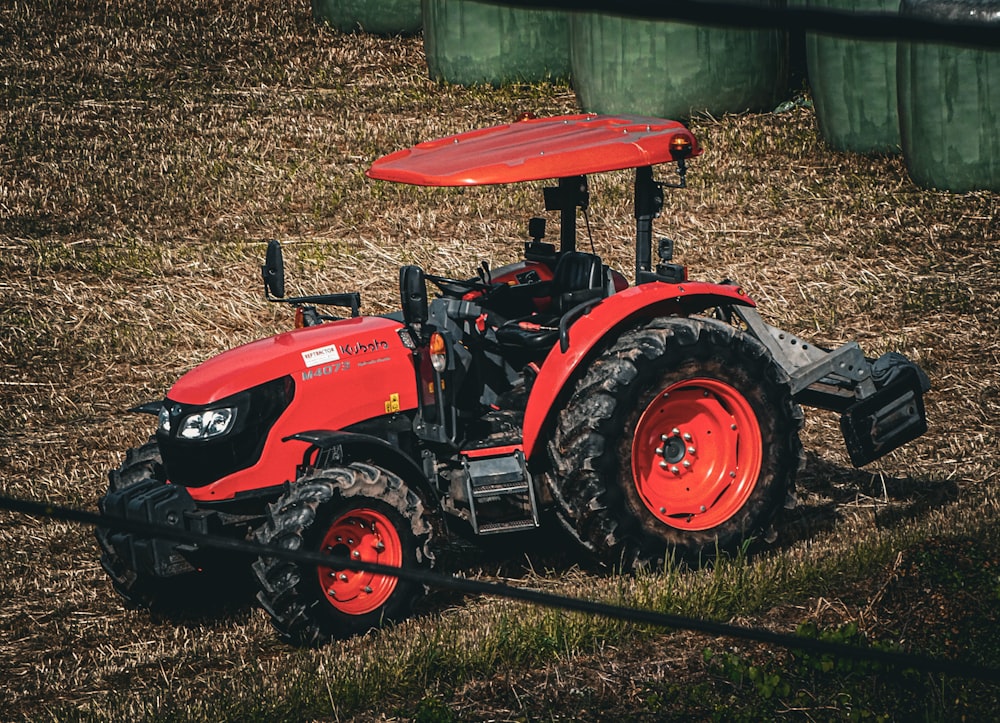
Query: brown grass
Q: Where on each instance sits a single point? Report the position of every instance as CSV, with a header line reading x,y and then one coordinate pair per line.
x,y
147,151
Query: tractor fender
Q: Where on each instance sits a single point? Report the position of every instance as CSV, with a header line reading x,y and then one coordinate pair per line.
x,y
357,447
612,314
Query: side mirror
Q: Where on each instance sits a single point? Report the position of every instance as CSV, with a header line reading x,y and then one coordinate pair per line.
x,y
413,295
273,270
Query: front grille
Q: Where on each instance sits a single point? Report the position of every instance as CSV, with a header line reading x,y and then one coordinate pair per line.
x,y
196,463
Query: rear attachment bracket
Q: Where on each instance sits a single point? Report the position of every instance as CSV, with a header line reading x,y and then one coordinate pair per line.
x,y
881,404
835,378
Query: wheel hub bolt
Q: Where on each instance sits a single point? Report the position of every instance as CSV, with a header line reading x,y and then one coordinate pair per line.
x,y
368,589
672,451
343,577
355,554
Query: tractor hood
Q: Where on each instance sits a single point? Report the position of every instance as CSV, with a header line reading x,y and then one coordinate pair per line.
x,y
341,349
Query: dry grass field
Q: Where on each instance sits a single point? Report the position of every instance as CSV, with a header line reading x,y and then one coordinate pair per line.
x,y
147,152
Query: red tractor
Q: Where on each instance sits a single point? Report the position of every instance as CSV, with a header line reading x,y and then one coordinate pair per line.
x,y
648,418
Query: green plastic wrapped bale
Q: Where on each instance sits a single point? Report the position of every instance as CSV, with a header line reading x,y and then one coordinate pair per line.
x,y
379,17
853,84
675,70
469,43
949,103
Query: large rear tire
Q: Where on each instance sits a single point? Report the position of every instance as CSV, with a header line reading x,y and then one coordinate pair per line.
x,y
360,511
681,436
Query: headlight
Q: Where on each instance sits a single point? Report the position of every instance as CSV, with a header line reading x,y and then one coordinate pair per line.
x,y
207,424
206,442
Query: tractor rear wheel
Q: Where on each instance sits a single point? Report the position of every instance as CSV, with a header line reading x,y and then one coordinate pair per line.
x,y
358,511
681,436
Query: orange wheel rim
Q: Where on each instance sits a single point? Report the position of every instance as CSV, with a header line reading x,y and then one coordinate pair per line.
x,y
362,535
696,454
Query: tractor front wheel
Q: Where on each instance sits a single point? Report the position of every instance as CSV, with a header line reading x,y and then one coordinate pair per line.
x,y
211,584
137,588
359,512
683,435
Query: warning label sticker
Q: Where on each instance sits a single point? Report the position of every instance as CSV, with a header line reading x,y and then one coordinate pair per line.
x,y
323,355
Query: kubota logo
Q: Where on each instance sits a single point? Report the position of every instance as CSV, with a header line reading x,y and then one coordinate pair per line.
x,y
360,347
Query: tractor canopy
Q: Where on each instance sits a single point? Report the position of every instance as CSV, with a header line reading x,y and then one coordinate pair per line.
x,y
539,148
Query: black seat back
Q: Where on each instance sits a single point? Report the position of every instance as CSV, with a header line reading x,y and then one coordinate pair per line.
x,y
578,277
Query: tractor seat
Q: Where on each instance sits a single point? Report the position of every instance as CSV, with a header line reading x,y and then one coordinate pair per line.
x,y
577,278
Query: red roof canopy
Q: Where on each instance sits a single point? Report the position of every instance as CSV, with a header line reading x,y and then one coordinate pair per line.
x,y
535,149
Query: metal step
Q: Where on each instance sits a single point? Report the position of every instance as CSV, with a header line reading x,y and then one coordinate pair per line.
x,y
500,491
492,528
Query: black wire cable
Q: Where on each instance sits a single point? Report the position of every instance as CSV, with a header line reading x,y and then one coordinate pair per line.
x,y
724,13
900,661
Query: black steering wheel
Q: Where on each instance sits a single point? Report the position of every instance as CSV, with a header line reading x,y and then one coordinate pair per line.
x,y
458,287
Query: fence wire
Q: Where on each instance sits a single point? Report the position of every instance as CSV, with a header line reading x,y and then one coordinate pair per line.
x,y
898,661
978,26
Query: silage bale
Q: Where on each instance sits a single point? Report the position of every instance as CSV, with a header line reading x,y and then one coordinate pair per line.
x,y
674,70
949,102
469,42
853,84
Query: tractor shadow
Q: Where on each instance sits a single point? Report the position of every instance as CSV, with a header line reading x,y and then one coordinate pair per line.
x,y
228,595
211,597
828,494
547,551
